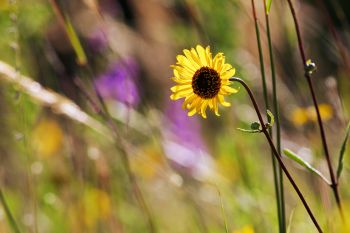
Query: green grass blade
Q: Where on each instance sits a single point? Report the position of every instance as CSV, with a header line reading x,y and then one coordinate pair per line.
x,y
74,39
268,6
342,151
8,213
290,154
289,227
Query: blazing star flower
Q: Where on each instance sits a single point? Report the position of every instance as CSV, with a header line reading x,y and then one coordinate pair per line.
x,y
118,82
202,80
183,144
98,40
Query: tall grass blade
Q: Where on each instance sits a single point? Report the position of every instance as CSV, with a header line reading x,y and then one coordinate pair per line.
x,y
342,152
74,39
268,6
8,213
289,227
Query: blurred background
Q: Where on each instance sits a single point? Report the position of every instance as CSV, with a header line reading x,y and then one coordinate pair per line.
x,y
62,166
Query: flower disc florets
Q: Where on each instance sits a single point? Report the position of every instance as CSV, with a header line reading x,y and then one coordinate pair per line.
x,y
206,83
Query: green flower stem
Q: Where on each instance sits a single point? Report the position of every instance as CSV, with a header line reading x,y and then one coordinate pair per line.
x,y
276,154
104,112
334,184
281,218
276,114
9,215
126,163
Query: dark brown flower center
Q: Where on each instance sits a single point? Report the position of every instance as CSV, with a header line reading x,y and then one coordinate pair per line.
x,y
206,83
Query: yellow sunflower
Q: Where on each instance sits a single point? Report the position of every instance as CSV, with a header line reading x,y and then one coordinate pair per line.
x,y
202,80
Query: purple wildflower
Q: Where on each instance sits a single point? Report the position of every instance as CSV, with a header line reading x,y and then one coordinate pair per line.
x,y
183,143
98,40
118,82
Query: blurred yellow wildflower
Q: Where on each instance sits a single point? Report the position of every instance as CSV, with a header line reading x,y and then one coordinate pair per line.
x,y
4,4
245,229
228,167
92,208
301,116
326,112
47,137
202,80
147,163
342,226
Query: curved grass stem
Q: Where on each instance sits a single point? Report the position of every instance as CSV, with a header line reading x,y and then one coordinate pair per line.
x,y
276,154
278,182
277,118
8,213
307,75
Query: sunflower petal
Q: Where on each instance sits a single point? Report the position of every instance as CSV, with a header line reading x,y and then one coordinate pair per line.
x,y
202,55
195,57
204,108
229,89
228,74
194,102
225,67
181,81
192,112
181,72
188,100
216,107
192,59
209,56
219,63
222,101
180,88
199,106
181,94
183,61
210,103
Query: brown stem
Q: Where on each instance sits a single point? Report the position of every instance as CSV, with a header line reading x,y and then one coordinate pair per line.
x,y
276,154
334,184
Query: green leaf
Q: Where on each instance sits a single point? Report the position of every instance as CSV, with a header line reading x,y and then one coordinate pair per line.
x,y
255,126
270,117
249,130
290,154
268,6
342,151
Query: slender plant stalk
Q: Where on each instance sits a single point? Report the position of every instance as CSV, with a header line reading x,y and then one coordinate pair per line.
x,y
334,182
17,64
126,162
9,215
276,114
274,167
106,115
275,152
